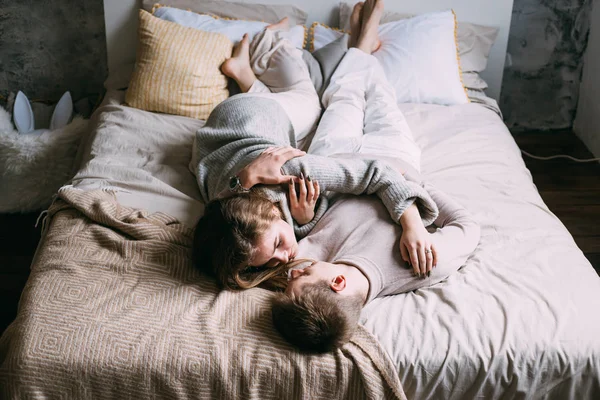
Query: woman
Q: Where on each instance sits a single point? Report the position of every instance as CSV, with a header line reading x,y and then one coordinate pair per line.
x,y
248,236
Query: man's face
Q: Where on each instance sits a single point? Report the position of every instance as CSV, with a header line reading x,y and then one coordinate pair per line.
x,y
317,271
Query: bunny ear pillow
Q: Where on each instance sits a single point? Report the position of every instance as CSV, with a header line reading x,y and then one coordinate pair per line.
x,y
24,118
37,154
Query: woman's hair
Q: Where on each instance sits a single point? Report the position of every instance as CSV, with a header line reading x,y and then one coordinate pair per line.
x,y
318,320
225,241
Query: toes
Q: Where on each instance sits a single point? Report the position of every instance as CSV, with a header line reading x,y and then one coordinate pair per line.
x,y
357,8
356,13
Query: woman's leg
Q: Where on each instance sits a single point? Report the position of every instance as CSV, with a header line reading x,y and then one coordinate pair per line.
x,y
272,67
362,114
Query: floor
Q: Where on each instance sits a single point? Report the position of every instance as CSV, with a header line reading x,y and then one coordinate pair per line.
x,y
571,190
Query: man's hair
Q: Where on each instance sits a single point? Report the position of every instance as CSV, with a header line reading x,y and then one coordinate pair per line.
x,y
225,241
318,320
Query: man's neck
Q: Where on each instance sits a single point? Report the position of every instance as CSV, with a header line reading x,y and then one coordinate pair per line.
x,y
356,281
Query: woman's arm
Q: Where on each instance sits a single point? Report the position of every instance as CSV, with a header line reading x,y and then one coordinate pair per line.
x,y
361,176
342,175
416,244
459,232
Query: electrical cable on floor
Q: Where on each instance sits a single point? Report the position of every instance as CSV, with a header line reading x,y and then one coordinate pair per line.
x,y
560,156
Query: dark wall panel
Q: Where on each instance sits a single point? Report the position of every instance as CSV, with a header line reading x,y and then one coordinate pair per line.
x,y
546,44
48,47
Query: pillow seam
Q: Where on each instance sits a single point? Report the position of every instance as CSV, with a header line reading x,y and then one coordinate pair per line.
x,y
460,73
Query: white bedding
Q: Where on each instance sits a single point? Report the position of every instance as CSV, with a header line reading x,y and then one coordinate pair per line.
x,y
520,320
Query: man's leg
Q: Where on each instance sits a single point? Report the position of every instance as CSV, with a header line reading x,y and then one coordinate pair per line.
x,y
362,114
386,132
341,127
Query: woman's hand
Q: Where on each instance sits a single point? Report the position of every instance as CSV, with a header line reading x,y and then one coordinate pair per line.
x,y
266,168
302,205
416,245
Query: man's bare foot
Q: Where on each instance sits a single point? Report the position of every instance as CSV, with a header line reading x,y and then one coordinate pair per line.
x,y
238,66
355,22
368,41
284,25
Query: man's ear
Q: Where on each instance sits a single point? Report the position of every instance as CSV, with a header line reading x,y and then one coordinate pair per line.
x,y
338,284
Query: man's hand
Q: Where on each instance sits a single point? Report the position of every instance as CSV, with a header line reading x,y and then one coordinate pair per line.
x,y
302,205
416,246
266,168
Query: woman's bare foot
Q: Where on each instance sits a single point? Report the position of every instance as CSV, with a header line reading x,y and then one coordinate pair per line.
x,y
238,66
355,22
284,25
368,41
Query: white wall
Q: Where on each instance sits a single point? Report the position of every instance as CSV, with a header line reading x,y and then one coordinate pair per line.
x,y
121,22
121,25
587,121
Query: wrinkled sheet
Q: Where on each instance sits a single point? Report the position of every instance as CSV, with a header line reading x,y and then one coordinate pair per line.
x,y
143,157
521,319
114,309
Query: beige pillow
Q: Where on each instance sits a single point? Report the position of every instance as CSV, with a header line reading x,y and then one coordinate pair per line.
x,y
270,13
177,69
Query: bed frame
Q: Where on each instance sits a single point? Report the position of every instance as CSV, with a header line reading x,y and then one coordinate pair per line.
x,y
121,25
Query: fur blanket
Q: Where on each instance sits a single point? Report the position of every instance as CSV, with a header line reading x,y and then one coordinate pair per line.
x,y
33,167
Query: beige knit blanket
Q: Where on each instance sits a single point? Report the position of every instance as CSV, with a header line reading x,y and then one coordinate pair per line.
x,y
113,309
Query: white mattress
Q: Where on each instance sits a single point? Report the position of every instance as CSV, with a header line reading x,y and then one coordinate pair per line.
x,y
520,319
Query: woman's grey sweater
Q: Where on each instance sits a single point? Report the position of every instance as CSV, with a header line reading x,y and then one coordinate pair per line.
x,y
239,129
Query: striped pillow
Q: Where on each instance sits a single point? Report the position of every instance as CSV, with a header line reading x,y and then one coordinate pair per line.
x,y
177,69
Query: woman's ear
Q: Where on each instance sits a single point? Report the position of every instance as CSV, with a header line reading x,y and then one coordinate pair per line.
x,y
62,113
23,114
338,284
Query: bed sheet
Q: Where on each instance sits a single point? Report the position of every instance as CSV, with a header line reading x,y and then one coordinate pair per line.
x,y
113,308
147,167
520,319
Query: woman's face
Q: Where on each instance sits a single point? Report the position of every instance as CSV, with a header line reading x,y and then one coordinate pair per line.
x,y
276,246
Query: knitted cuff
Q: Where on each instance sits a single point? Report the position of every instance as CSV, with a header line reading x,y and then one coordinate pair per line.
x,y
402,195
303,230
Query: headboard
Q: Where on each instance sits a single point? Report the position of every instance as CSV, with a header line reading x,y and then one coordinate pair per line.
x,y
121,25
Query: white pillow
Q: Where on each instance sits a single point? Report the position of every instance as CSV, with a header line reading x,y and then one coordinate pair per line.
x,y
419,56
232,28
474,41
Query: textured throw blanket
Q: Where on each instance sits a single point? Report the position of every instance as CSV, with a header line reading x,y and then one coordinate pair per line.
x,y
113,309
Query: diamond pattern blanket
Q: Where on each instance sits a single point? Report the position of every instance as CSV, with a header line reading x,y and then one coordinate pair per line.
x,y
113,309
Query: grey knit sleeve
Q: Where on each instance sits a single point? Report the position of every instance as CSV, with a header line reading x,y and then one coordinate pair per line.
x,y
360,176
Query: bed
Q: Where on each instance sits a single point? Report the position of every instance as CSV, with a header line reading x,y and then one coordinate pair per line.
x,y
113,308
